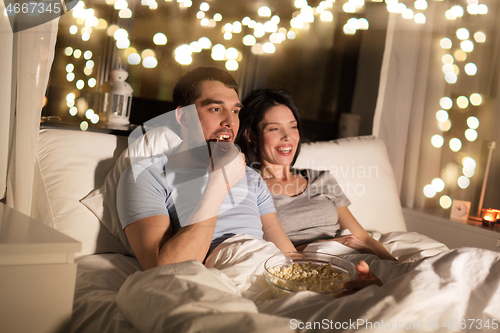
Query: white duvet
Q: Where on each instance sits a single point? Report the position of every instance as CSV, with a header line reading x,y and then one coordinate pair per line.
x,y
450,291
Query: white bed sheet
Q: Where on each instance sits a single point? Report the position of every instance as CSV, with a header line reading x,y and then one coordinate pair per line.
x,y
230,295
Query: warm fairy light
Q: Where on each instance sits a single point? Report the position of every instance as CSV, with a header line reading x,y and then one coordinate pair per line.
x,y
445,202
363,24
463,182
257,49
204,6
121,4
326,16
480,37
264,11
134,59
300,3
437,141
125,13
147,53
73,29
218,52
183,54
70,68
451,77
460,55
89,64
457,10
447,59
408,14
120,34
275,19
87,55
462,102
237,27
217,17
80,84
438,184
469,163
89,113
470,69
228,35
462,34
445,125
420,4
467,46
447,68
419,18
112,29
205,43
87,71
231,53
249,40
349,7
231,65
92,82
204,22
455,144
270,27
68,51
84,125
290,34
151,62
122,43
73,111
195,46
471,134
349,30
77,53
446,43
429,191
468,173
473,122
442,115
269,47
446,103
160,39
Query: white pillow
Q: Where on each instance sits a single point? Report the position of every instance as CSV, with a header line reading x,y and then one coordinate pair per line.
x,y
361,167
102,201
69,165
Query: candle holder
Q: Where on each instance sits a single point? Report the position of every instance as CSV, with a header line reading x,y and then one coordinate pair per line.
x,y
489,217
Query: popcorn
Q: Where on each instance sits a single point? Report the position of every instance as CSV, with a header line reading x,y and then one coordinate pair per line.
x,y
321,278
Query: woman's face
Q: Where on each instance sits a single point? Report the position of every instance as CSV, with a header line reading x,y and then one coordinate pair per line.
x,y
279,136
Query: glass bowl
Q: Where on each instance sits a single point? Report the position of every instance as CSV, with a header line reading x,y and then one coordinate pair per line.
x,y
286,273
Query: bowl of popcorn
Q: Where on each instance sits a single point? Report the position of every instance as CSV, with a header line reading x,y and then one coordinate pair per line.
x,y
286,273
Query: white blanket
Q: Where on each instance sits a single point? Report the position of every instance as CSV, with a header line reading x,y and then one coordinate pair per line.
x,y
456,290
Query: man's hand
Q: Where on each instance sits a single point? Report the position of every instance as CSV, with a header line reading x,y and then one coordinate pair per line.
x,y
364,278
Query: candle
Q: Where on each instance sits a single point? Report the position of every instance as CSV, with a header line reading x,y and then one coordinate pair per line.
x,y
490,217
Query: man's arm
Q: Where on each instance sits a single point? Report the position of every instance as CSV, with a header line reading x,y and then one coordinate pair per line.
x,y
273,232
152,238
154,244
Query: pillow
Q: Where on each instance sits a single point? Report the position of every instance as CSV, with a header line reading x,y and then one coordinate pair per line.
x,y
69,165
361,167
102,201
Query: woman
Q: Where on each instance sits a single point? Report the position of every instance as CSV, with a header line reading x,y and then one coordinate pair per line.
x,y
310,204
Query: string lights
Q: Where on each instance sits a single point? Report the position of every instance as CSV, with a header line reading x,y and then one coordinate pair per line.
x,y
460,46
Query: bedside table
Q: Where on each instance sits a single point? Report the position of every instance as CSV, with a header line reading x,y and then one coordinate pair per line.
x,y
37,275
452,233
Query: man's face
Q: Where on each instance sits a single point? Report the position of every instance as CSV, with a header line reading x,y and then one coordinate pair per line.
x,y
218,107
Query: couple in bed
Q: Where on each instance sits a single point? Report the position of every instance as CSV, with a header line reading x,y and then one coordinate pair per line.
x,y
163,228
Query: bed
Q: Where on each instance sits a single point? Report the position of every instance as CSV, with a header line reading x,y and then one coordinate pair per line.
x,y
430,288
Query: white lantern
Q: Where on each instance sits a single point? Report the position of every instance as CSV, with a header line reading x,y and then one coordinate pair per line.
x,y
116,98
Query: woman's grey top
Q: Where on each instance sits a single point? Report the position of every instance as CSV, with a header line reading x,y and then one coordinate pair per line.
x,y
312,214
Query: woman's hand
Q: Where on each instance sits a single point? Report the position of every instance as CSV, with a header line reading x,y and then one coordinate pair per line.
x,y
355,243
363,279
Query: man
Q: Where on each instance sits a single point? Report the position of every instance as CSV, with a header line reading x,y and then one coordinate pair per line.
x,y
145,206
157,237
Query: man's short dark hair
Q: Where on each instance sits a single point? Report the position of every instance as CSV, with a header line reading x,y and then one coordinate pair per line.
x,y
187,90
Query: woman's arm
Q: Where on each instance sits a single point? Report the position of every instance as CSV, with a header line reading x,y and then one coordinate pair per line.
x,y
273,232
348,221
